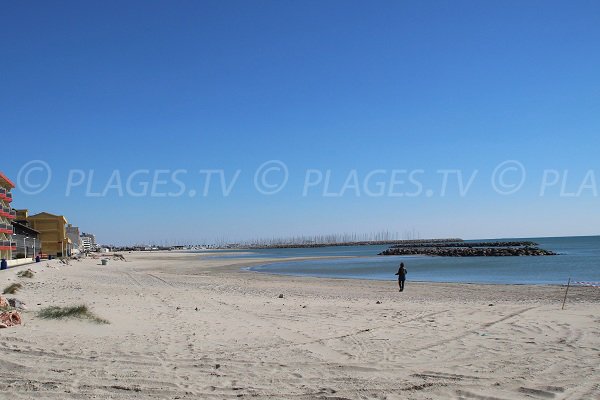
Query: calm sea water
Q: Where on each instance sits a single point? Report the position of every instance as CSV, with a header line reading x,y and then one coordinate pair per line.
x,y
579,259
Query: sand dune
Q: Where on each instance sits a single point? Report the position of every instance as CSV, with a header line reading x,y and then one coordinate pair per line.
x,y
185,327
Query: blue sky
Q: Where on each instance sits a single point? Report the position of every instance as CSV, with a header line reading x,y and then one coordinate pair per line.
x,y
336,85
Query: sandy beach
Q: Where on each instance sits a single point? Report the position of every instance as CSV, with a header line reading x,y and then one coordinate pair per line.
x,y
187,327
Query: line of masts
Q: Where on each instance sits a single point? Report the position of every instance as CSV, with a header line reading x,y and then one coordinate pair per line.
x,y
333,238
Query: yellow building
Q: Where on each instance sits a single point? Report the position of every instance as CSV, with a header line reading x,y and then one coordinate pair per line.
x,y
53,233
22,215
7,215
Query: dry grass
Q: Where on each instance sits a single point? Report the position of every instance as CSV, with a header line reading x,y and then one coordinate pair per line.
x,y
80,312
12,288
25,274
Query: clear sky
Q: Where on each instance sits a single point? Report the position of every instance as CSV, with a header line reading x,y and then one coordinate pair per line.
x,y
342,86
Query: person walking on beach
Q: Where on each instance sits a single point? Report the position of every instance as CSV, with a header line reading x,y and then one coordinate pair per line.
x,y
401,276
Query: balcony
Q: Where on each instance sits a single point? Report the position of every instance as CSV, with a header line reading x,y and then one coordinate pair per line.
x,y
7,245
8,197
8,213
2,194
6,228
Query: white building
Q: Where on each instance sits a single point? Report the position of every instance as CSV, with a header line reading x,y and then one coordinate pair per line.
x,y
88,242
73,234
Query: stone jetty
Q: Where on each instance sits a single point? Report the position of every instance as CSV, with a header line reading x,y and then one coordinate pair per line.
x,y
463,249
466,244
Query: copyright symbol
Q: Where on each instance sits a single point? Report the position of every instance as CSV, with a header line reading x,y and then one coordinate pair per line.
x,y
508,177
34,177
271,177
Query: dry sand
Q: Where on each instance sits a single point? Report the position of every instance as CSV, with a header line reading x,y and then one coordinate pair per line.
x,y
326,339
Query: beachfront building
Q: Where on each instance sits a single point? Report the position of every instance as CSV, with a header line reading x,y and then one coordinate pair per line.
x,y
52,233
88,242
73,235
22,215
27,241
7,215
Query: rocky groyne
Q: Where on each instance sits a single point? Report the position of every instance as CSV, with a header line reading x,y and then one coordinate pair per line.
x,y
473,249
467,244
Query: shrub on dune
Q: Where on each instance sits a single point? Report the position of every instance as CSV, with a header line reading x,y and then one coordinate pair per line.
x,y
12,288
25,274
79,312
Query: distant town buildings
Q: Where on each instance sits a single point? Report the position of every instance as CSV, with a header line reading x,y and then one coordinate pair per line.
x,y
88,242
73,235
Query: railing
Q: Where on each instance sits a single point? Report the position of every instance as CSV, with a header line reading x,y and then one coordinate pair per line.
x,y
5,228
6,243
9,197
8,213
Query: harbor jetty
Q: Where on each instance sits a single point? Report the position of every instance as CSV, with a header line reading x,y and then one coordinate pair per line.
x,y
467,249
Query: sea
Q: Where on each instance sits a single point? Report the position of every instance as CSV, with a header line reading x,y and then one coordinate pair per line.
x,y
578,259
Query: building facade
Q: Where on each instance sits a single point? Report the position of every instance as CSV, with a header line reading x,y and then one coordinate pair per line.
x,y
22,215
74,237
27,241
52,233
88,242
7,215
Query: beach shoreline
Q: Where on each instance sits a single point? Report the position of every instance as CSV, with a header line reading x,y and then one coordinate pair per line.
x,y
187,326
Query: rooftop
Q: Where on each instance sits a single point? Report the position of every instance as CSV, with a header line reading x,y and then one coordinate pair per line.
x,y
4,181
